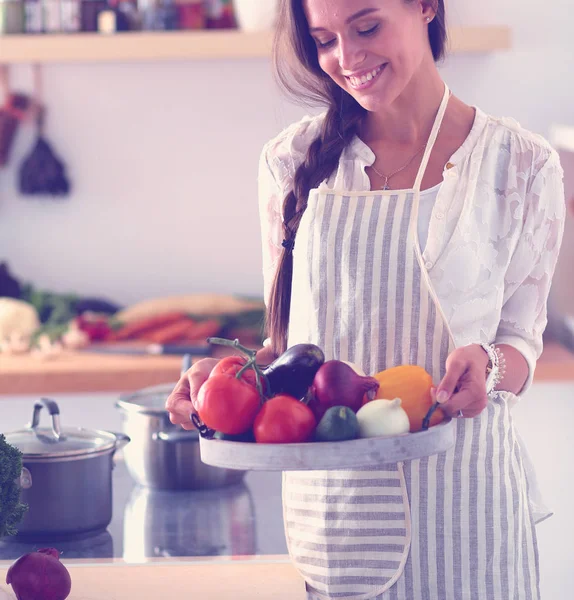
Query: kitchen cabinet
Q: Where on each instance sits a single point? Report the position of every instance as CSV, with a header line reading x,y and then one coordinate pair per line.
x,y
186,45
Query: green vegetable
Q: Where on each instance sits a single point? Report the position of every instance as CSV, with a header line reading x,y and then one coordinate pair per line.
x,y
339,423
11,509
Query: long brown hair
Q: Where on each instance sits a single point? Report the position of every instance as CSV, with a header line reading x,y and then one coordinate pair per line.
x,y
298,72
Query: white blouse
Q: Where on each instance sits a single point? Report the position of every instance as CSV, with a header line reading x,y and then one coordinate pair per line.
x,y
493,233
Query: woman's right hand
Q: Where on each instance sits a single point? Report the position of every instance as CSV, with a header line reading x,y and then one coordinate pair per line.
x,y
180,403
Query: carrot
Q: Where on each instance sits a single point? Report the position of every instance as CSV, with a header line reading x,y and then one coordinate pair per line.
x,y
202,330
169,333
135,329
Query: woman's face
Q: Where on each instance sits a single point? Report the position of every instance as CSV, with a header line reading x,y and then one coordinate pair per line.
x,y
370,48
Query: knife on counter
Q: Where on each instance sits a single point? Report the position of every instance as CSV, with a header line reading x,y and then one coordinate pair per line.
x,y
150,349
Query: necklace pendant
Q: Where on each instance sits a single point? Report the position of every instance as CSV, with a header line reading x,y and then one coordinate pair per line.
x,y
386,186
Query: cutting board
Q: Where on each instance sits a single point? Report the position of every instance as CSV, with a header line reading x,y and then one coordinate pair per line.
x,y
242,580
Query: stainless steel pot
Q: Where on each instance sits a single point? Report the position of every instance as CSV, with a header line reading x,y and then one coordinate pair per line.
x,y
66,478
162,455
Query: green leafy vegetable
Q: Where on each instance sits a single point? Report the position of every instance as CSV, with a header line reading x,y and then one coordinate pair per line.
x,y
11,509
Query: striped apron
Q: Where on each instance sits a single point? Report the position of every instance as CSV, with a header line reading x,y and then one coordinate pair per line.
x,y
454,526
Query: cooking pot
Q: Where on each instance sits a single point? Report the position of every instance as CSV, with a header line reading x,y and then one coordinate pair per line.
x,y
66,478
163,523
162,455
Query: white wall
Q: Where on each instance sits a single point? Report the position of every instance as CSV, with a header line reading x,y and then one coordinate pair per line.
x,y
163,157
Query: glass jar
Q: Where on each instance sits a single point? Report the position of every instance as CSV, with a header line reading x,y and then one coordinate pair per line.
x,y
11,16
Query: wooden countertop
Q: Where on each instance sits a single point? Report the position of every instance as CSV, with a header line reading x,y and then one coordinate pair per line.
x,y
86,372
265,579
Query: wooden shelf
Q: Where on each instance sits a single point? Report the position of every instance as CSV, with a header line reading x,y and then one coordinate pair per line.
x,y
186,45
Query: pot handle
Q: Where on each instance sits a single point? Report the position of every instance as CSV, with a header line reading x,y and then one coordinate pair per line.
x,y
24,482
175,436
54,411
121,440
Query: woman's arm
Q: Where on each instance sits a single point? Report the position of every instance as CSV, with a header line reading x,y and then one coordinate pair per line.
x,y
524,314
529,275
517,370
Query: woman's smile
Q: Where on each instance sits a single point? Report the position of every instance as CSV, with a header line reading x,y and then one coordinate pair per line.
x,y
365,79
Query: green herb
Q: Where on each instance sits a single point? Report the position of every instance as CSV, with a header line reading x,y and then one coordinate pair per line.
x,y
11,509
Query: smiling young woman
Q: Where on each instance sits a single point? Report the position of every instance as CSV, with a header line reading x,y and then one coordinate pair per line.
x,y
402,226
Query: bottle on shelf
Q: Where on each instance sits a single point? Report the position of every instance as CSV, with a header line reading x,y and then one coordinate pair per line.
x,y
11,16
52,16
33,16
70,11
191,14
167,16
89,11
118,15
220,15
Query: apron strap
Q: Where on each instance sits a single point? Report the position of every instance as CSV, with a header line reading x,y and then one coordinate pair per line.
x,y
432,139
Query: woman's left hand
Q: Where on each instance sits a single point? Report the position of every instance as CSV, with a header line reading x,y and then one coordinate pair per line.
x,y
462,392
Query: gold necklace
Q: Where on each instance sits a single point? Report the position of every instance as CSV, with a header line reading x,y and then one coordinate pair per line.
x,y
387,177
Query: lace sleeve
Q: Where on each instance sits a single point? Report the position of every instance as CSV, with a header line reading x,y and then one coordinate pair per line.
x,y
270,213
529,275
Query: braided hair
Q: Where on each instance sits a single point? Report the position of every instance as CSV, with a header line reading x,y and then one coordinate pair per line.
x,y
295,48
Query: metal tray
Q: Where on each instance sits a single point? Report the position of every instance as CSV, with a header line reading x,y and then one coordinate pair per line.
x,y
318,456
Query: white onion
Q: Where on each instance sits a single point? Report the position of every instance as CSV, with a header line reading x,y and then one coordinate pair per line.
x,y
383,418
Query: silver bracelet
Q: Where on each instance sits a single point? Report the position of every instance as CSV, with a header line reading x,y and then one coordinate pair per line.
x,y
496,368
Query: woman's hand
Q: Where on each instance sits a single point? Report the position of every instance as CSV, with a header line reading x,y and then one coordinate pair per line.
x,y
265,356
181,400
463,387
180,403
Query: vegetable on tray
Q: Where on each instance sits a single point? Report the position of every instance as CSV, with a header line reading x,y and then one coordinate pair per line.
x,y
412,384
339,423
336,383
300,398
294,371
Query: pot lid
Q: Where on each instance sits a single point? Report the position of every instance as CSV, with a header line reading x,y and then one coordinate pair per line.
x,y
148,401
36,442
43,443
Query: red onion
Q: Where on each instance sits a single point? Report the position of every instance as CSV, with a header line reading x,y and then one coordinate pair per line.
x,y
337,384
40,576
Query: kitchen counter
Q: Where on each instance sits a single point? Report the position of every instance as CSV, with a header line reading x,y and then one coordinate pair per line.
x,y
84,372
75,372
240,520
274,579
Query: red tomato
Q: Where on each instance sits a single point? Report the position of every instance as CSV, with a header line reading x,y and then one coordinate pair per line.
x,y
227,404
231,365
284,420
